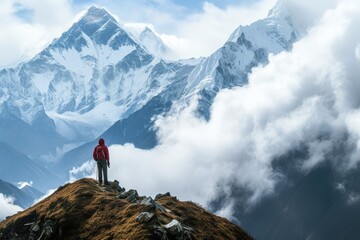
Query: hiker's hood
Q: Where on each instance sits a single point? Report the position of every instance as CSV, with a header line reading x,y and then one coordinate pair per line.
x,y
101,141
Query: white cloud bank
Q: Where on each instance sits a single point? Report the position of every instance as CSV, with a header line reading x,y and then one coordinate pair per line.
x,y
21,39
7,207
309,96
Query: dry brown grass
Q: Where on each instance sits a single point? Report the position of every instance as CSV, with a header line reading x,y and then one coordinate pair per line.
x,y
85,210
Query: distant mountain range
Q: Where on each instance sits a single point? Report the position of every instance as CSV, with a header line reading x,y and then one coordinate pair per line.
x,y
24,197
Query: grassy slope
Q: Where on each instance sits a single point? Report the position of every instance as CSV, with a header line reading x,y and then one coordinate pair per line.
x,y
85,210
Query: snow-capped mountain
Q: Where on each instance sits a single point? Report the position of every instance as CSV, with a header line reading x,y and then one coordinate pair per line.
x,y
89,57
154,44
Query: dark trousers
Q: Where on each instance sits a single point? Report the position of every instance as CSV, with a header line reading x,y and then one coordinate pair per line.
x,y
102,168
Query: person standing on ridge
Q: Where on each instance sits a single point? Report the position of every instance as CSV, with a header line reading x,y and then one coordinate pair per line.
x,y
101,156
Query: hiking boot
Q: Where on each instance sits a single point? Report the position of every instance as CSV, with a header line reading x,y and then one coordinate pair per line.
x,y
106,183
100,182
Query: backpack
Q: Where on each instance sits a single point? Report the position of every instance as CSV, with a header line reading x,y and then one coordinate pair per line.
x,y
100,153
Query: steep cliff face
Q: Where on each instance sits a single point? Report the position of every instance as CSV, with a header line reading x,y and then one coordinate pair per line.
x,y
86,210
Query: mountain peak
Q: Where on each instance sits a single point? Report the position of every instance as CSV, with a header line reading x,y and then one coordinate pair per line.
x,y
95,13
98,25
148,33
148,30
154,44
94,19
280,10
86,210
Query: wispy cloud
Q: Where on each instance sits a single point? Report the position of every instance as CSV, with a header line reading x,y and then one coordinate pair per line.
x,y
27,26
204,32
21,185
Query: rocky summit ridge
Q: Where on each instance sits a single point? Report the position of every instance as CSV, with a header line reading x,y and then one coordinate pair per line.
x,y
86,210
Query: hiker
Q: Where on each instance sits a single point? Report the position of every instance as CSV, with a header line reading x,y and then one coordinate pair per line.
x,y
101,156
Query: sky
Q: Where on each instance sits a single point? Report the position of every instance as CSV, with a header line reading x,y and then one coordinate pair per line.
x,y
189,28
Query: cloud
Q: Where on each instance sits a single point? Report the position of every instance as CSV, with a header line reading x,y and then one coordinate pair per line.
x,y
307,13
87,169
307,98
357,52
28,26
353,198
21,185
202,33
7,207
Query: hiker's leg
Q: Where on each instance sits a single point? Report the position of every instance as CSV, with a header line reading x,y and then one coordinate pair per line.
x,y
105,172
99,170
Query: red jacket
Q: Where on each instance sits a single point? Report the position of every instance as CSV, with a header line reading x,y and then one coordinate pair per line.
x,y
106,151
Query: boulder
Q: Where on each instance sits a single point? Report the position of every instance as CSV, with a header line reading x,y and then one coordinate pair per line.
x,y
144,217
133,196
158,196
130,195
173,230
115,184
154,205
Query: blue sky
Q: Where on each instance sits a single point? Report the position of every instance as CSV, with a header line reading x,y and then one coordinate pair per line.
x,y
191,28
189,5
181,9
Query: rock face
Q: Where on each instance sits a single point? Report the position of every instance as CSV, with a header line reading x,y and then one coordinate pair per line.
x,y
86,210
